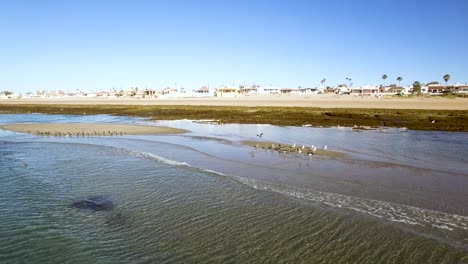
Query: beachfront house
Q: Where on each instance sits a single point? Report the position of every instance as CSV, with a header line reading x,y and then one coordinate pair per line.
x,y
341,89
258,90
437,89
434,88
249,89
91,95
458,88
309,90
268,90
463,89
226,91
149,93
102,94
169,92
289,91
204,91
397,90
364,90
126,93
139,94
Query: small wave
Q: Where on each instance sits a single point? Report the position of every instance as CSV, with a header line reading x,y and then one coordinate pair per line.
x,y
380,209
385,210
173,162
158,158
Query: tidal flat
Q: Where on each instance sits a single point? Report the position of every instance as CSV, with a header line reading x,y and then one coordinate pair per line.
x,y
413,119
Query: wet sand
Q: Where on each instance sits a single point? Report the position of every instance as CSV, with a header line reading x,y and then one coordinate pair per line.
x,y
55,129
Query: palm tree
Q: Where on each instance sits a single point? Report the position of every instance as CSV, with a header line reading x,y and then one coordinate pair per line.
x,y
349,81
399,79
417,87
446,78
323,81
384,77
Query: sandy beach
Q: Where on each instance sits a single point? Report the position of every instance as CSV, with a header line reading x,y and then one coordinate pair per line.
x,y
55,129
320,101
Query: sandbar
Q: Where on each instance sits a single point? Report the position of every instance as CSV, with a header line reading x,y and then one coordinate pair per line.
x,y
291,149
86,129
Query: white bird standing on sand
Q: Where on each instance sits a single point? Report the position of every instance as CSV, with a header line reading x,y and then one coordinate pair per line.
x,y
325,147
303,146
314,149
294,145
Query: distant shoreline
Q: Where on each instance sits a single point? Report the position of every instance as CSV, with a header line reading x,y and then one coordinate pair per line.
x,y
436,114
320,100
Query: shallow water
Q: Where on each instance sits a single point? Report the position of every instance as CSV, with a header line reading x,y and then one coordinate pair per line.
x,y
400,196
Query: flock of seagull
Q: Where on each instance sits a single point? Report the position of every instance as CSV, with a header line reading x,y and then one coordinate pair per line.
x,y
291,148
79,134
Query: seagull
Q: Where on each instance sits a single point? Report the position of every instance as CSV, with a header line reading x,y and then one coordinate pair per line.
x,y
303,146
260,135
325,147
312,147
433,121
294,145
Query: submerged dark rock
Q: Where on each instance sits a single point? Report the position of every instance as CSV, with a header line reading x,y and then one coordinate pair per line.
x,y
96,203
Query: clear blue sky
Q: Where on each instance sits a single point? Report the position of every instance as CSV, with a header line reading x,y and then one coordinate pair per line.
x,y
96,44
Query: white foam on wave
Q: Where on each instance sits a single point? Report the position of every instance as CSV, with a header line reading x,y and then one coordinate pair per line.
x,y
172,162
158,158
385,210
214,172
443,227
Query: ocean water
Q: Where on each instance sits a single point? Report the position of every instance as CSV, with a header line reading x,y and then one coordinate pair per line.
x,y
204,197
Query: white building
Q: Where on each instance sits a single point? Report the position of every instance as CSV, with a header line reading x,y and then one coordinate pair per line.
x,y
364,90
204,91
226,91
169,92
309,90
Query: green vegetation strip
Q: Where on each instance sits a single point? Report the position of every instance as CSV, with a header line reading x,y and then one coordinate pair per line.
x,y
442,120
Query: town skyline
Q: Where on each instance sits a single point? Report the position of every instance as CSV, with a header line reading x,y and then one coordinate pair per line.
x,y
87,45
